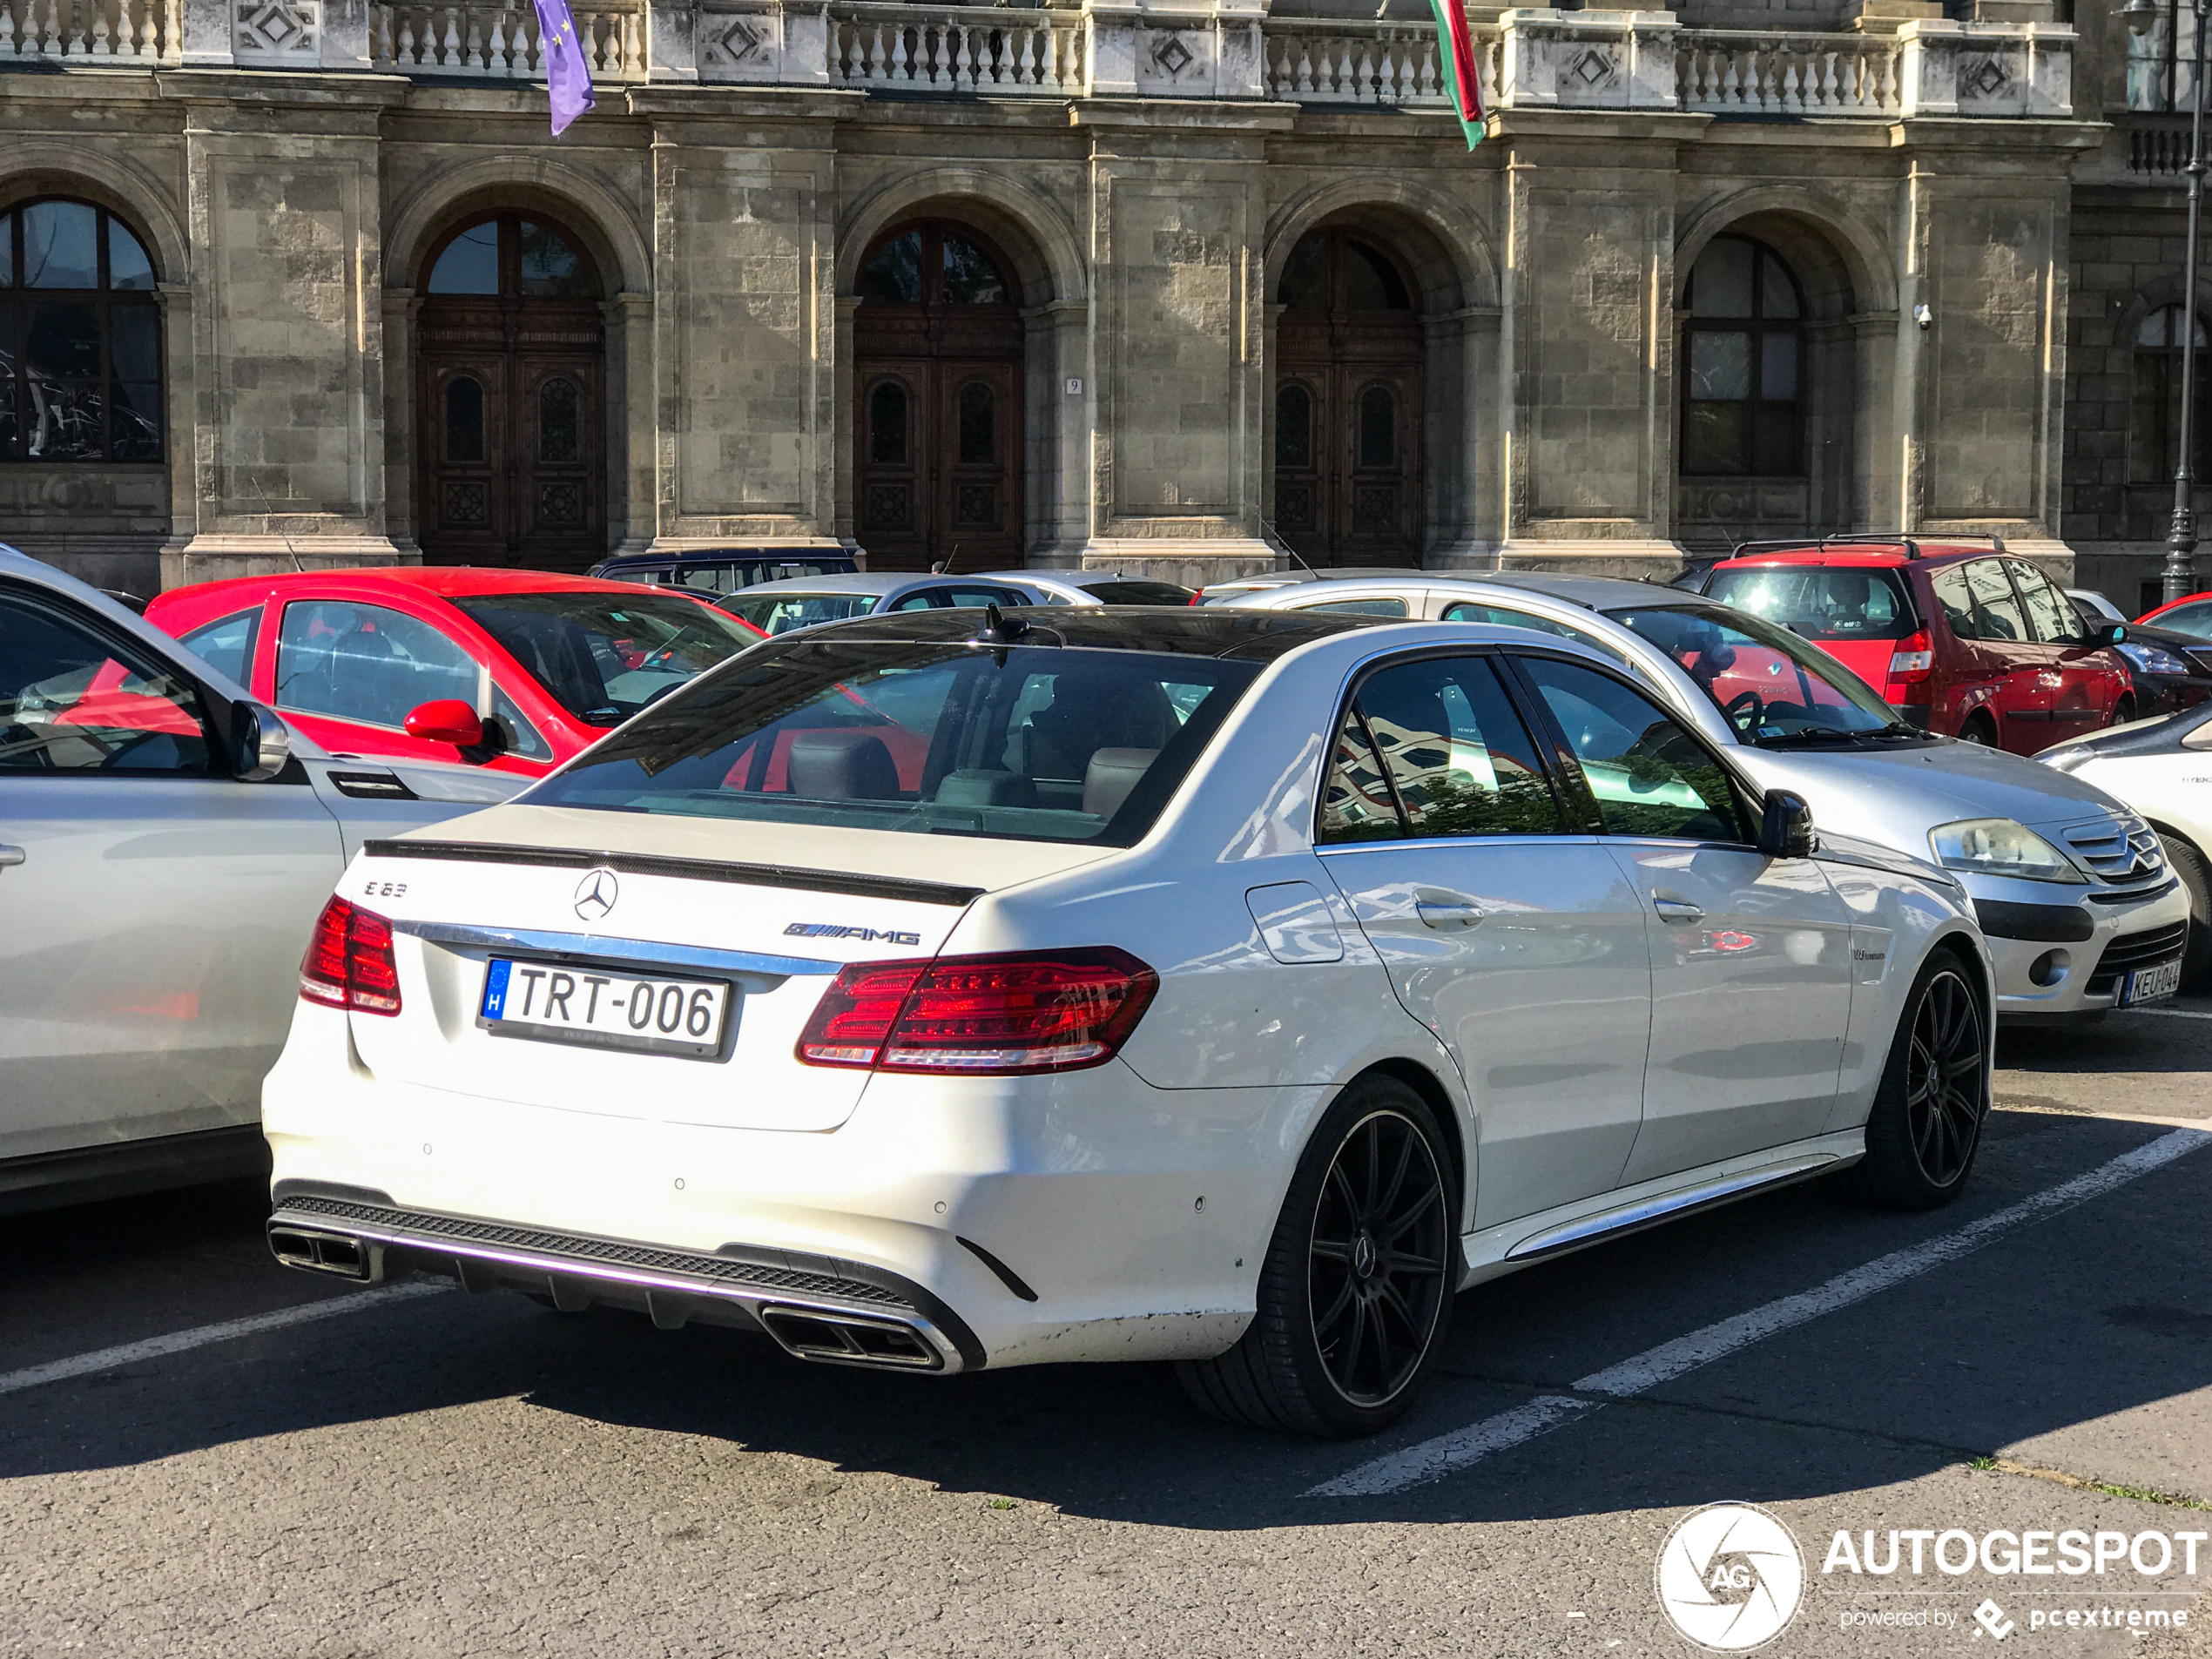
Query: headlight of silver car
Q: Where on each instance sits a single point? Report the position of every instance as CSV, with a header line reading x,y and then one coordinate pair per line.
x,y
1999,847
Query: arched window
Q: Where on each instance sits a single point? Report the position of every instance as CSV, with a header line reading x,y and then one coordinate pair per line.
x,y
1742,363
2155,409
887,424
1378,428
933,264
1293,426
560,407
464,418
978,422
507,255
80,337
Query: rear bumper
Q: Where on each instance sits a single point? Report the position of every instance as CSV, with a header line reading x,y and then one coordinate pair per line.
x,y
1000,1221
818,1309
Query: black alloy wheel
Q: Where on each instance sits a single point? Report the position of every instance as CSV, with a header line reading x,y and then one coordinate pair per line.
x,y
1353,1302
1944,1085
1924,1126
1378,1260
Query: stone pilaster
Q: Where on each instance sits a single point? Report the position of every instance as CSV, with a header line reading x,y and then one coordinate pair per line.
x,y
1179,211
288,394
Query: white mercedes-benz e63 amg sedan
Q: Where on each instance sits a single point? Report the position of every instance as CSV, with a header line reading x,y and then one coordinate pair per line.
x,y
951,990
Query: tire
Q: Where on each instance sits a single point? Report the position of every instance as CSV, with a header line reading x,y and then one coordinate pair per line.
x,y
1926,1123
1978,728
1351,1317
2195,872
2122,712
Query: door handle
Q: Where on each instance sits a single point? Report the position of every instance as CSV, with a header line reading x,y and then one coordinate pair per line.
x,y
1679,910
1447,914
10,855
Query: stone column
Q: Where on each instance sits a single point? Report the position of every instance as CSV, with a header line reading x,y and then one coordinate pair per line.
x,y
845,396
1055,345
630,419
402,307
1467,455
287,332
1178,214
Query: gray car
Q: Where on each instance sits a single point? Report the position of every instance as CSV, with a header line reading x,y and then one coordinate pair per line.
x,y
1096,587
808,602
2081,912
165,846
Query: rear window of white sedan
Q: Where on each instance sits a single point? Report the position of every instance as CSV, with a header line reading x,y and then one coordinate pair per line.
x,y
1036,743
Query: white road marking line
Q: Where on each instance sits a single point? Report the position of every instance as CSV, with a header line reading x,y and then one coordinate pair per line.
x,y
1447,1453
178,1341
2004,1105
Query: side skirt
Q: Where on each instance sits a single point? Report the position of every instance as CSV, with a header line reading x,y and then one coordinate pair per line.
x,y
124,1169
1530,1239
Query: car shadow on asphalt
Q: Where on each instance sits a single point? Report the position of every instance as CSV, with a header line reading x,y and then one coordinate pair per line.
x,y
1788,1417
2119,1044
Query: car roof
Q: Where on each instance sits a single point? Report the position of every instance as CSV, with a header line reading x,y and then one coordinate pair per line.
x,y
1892,556
1220,632
878,582
442,581
20,565
732,554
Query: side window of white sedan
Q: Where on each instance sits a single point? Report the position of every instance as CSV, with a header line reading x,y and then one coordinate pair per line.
x,y
70,701
1434,748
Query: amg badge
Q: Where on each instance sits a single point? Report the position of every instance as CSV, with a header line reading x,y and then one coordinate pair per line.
x,y
866,935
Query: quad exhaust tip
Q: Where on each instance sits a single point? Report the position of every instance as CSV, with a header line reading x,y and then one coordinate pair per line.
x,y
848,1339
323,1252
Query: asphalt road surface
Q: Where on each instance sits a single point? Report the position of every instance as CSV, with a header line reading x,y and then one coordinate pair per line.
x,y
420,1472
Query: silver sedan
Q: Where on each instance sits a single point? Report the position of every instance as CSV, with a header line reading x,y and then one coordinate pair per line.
x,y
808,602
165,843
2074,892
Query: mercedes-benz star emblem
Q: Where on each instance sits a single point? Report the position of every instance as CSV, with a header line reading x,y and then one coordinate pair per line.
x,y
595,895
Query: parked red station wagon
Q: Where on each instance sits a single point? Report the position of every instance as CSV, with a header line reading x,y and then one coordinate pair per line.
x,y
516,670
1968,642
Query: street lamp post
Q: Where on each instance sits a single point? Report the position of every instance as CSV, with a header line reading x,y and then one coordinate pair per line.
x,y
2181,540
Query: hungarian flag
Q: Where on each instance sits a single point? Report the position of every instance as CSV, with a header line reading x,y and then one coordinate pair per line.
x,y
1461,84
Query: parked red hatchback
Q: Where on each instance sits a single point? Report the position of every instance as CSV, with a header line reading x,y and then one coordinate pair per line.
x,y
512,669
1963,641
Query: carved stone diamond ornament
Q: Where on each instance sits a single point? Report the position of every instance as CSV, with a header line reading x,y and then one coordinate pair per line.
x,y
1984,78
1593,69
744,40
275,29
1172,56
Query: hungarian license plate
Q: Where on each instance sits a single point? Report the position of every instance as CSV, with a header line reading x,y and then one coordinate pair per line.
x,y
2151,984
607,1010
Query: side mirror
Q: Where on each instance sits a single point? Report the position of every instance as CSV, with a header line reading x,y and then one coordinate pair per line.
x,y
260,744
1785,828
445,719
2107,633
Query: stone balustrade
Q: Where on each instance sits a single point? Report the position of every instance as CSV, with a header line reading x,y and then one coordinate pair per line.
x,y
1728,73
136,33
1320,61
991,50
1528,59
500,41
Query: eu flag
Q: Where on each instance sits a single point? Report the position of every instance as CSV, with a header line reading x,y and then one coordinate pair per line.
x,y
568,71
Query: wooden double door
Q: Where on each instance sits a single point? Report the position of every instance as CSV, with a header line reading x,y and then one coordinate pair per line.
x,y
511,440
1347,459
938,478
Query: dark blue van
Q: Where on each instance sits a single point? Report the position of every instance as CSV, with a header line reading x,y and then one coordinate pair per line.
x,y
725,569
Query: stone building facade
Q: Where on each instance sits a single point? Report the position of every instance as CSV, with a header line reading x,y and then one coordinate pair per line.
x,y
1156,286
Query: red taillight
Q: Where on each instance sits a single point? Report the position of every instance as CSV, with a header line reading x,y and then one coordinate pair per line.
x,y
1051,1011
1910,664
349,962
